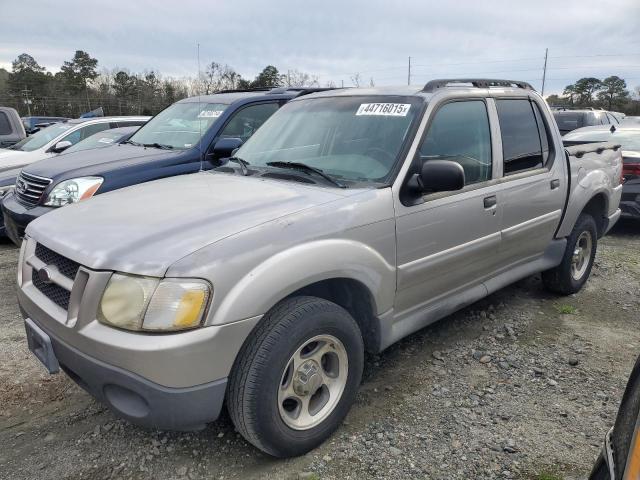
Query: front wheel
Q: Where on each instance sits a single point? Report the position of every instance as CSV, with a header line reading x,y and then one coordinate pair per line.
x,y
297,376
574,270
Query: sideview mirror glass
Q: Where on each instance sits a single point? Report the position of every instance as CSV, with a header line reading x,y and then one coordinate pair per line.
x,y
224,148
438,176
61,146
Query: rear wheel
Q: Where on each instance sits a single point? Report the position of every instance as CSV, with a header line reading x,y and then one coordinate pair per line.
x,y
574,270
297,376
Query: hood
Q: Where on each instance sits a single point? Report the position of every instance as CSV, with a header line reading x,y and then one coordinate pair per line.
x,y
8,177
95,161
146,228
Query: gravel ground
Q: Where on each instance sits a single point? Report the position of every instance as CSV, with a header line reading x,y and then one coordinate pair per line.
x,y
520,385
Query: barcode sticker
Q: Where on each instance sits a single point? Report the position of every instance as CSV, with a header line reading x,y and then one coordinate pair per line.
x,y
210,113
388,109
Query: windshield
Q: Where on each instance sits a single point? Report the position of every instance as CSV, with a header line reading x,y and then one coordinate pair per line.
x,y
629,139
352,138
179,126
98,140
42,137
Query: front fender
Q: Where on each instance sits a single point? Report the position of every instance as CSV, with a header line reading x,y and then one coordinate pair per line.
x,y
302,265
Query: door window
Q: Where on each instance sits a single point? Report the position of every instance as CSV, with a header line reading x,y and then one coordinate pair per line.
x,y
246,121
521,139
460,132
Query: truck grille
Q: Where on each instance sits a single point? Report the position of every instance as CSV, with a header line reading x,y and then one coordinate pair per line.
x,y
55,293
30,188
67,267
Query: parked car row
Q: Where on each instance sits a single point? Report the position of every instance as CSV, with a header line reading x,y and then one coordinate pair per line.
x,y
346,221
190,135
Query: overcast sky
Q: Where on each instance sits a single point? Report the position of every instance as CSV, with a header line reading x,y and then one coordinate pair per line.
x,y
336,39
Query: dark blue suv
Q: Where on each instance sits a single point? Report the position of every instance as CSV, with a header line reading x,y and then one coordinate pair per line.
x,y
190,135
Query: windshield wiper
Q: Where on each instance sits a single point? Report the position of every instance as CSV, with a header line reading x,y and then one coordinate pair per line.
x,y
134,143
161,146
307,168
243,164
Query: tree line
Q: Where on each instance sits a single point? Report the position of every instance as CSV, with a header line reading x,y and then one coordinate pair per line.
x,y
611,94
79,86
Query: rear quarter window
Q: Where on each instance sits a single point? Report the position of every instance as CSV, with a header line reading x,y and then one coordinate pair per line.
x,y
521,139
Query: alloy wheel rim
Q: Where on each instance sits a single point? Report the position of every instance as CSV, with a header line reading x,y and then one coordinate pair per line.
x,y
581,255
313,382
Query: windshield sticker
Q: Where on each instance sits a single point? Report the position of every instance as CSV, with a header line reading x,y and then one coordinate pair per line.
x,y
210,113
105,140
387,109
188,145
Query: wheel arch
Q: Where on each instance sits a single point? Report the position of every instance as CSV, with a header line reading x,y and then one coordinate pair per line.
x,y
346,272
596,205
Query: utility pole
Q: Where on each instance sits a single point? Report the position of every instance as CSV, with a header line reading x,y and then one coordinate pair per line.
x,y
409,73
342,83
27,100
544,72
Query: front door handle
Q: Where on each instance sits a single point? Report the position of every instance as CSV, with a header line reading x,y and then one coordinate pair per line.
x,y
490,202
555,183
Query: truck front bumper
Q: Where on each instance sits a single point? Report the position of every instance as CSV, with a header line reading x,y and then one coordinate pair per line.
x,y
129,395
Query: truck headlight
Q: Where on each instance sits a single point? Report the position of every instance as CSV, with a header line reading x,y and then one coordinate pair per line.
x,y
5,190
73,191
142,303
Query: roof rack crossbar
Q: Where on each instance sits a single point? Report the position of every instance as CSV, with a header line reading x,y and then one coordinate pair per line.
x,y
434,85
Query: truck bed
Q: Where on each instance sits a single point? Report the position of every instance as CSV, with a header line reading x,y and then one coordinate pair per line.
x,y
594,168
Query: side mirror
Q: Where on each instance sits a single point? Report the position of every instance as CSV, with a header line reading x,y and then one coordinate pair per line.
x,y
61,146
224,148
438,176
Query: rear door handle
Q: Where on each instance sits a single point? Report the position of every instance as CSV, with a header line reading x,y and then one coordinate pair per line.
x,y
490,202
555,183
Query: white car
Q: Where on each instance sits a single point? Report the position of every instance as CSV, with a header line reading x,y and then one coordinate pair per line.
x,y
58,137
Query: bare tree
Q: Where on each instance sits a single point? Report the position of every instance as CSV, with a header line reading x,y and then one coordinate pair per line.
x,y
356,79
296,78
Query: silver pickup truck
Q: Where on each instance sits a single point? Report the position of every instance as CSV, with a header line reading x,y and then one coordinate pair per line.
x,y
351,219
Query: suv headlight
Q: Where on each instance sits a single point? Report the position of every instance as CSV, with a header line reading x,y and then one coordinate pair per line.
x,y
5,190
143,303
73,191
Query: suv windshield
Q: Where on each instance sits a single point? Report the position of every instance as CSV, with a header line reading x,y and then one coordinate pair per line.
x,y
629,139
42,137
179,126
98,140
353,138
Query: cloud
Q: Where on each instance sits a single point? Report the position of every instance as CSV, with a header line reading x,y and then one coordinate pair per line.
x,y
335,40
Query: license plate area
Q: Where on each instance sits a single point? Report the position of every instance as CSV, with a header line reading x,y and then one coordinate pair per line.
x,y
40,345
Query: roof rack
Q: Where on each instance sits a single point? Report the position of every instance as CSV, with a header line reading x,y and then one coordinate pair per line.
x,y
238,90
300,90
434,85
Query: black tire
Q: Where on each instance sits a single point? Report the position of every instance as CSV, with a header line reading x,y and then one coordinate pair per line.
x,y
252,396
626,421
560,279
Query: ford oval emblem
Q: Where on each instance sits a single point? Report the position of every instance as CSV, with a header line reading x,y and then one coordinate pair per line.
x,y
44,275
